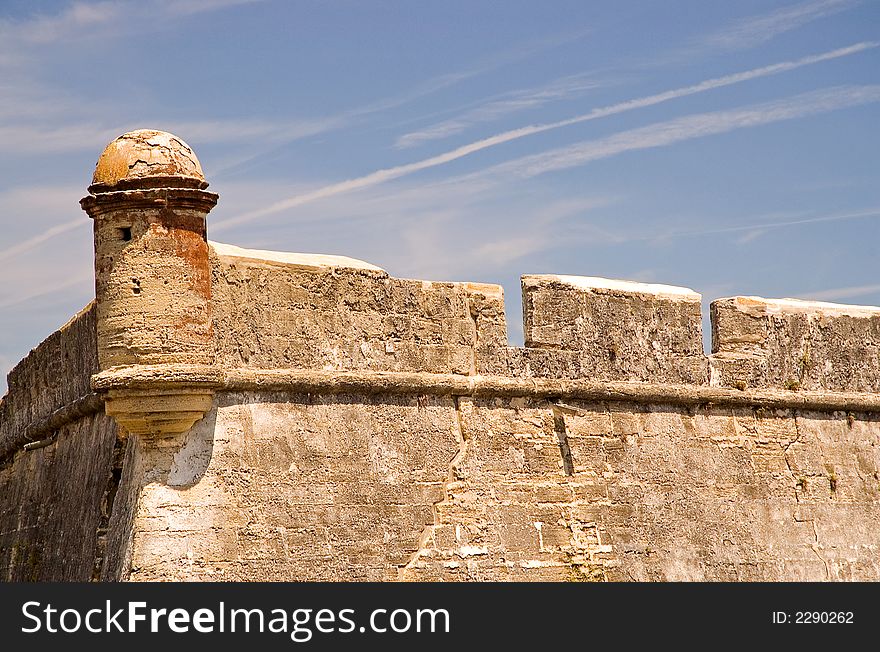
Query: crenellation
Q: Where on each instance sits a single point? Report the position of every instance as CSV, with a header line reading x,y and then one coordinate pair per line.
x,y
620,330
347,315
795,345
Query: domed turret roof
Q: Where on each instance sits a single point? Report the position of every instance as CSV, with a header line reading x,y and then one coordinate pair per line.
x,y
147,158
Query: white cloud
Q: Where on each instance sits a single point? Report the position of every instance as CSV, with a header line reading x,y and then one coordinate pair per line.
x,y
839,294
78,136
774,224
756,30
513,102
541,233
37,240
80,280
82,20
48,218
75,21
688,127
749,236
388,174
40,118
490,63
189,7
422,89
751,229
35,214
427,231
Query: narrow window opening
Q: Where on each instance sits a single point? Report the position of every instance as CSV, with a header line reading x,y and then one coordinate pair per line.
x,y
125,233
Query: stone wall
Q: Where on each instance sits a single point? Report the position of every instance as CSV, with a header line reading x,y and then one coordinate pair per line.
x,y
294,487
364,427
317,312
56,495
56,373
795,344
619,491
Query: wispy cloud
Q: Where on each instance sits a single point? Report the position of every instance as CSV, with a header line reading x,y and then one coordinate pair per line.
x,y
45,290
839,294
73,21
37,240
189,7
421,90
388,174
78,136
516,101
40,118
688,127
33,215
489,64
542,233
81,20
756,228
756,30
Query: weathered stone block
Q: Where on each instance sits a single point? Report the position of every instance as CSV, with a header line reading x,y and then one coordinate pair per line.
x,y
795,345
621,330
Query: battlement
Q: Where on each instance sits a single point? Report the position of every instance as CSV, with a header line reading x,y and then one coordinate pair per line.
x,y
280,310
276,311
795,344
616,330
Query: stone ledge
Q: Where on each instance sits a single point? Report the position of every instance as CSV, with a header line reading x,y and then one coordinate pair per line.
x,y
378,382
42,428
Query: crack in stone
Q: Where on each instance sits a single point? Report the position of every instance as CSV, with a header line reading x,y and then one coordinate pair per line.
x,y
785,452
452,477
472,313
815,548
562,436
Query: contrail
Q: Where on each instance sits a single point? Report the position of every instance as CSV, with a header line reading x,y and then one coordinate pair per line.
x,y
44,291
871,212
388,174
698,125
37,240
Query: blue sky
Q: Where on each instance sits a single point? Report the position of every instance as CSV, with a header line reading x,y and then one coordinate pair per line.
x,y
730,147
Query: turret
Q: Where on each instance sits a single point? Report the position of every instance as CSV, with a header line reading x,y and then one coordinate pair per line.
x,y
152,277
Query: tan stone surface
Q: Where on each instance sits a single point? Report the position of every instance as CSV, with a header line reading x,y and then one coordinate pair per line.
x,y
54,506
614,330
628,492
228,253
335,318
273,487
138,157
795,344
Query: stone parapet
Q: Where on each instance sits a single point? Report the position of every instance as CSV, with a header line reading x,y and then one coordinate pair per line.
x,y
334,313
795,344
616,329
54,376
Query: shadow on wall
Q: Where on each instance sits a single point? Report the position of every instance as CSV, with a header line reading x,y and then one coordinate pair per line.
x,y
192,460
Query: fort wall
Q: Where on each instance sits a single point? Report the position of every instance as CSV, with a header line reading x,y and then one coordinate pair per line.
x,y
57,461
348,465
319,419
